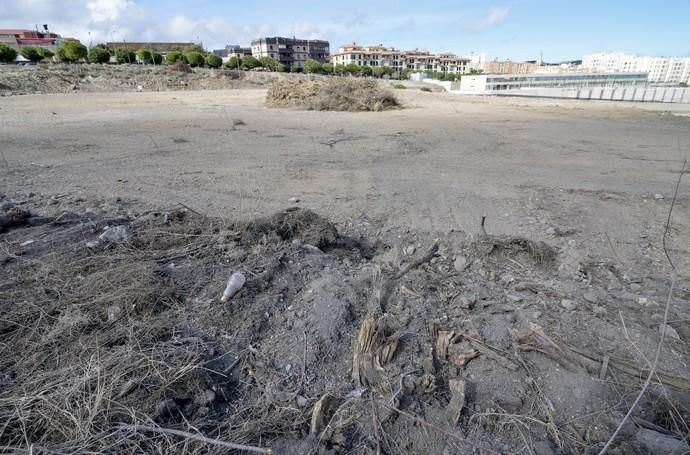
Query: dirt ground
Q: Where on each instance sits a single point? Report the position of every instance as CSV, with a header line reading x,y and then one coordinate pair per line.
x,y
532,338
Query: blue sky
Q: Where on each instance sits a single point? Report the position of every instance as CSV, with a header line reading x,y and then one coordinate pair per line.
x,y
517,29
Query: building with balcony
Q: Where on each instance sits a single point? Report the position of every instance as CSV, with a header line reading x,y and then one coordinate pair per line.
x,y
291,52
669,70
233,50
415,60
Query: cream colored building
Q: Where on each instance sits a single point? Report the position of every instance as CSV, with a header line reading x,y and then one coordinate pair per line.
x,y
416,60
660,69
290,51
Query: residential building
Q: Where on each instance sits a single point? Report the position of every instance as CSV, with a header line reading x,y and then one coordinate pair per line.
x,y
671,70
18,38
233,50
416,60
509,67
291,51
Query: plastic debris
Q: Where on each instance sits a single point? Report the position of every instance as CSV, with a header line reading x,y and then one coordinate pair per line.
x,y
235,283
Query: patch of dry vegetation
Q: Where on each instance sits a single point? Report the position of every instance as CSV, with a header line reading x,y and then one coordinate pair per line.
x,y
333,94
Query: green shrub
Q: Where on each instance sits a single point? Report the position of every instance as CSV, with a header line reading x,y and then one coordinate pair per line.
x,y
312,67
424,89
124,55
174,56
32,53
379,71
72,51
214,61
327,68
269,63
399,86
149,56
366,70
47,53
295,69
339,69
234,63
353,69
195,58
194,48
99,55
249,62
281,68
7,54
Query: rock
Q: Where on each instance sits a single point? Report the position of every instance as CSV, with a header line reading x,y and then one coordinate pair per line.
x,y
568,304
114,312
656,442
514,298
39,220
294,200
115,234
467,301
642,301
551,231
590,297
7,205
658,196
460,263
410,249
27,243
301,401
635,287
669,331
202,411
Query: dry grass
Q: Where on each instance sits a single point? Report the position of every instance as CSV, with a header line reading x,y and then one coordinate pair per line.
x,y
332,94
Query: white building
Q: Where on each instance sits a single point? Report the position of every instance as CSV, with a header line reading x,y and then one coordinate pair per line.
x,y
672,70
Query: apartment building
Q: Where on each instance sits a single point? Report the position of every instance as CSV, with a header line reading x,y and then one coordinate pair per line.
x,y
670,70
416,60
509,67
18,38
291,51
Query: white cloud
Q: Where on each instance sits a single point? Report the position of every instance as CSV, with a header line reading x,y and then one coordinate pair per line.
x,y
496,15
108,10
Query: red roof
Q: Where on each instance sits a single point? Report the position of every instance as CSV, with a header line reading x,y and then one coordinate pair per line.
x,y
13,31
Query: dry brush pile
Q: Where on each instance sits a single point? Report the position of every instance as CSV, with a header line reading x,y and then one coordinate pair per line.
x,y
331,94
334,345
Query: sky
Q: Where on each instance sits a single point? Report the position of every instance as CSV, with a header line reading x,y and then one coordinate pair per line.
x,y
516,29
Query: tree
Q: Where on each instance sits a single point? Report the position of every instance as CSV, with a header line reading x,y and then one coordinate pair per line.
x,y
46,53
269,63
327,68
405,73
352,68
98,55
379,71
32,53
194,48
367,70
195,58
339,69
72,51
174,56
149,56
388,71
281,68
234,63
7,54
250,62
311,66
124,55
214,61
295,69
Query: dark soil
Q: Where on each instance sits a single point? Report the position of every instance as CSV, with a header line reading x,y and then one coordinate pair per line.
x,y
494,345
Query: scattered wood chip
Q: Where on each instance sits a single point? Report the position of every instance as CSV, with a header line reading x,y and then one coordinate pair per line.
x,y
457,398
322,412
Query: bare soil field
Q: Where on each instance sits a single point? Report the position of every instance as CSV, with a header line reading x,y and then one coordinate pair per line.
x,y
380,313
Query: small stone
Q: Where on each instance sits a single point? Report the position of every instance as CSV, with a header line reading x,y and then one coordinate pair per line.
x,y
514,298
7,205
658,196
467,301
635,287
294,200
568,304
590,297
551,231
27,243
460,263
642,301
202,411
209,395
536,315
669,331
288,367
301,401
599,310
114,312
410,249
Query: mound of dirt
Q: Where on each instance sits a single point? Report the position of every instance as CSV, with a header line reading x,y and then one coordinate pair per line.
x,y
331,94
336,343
